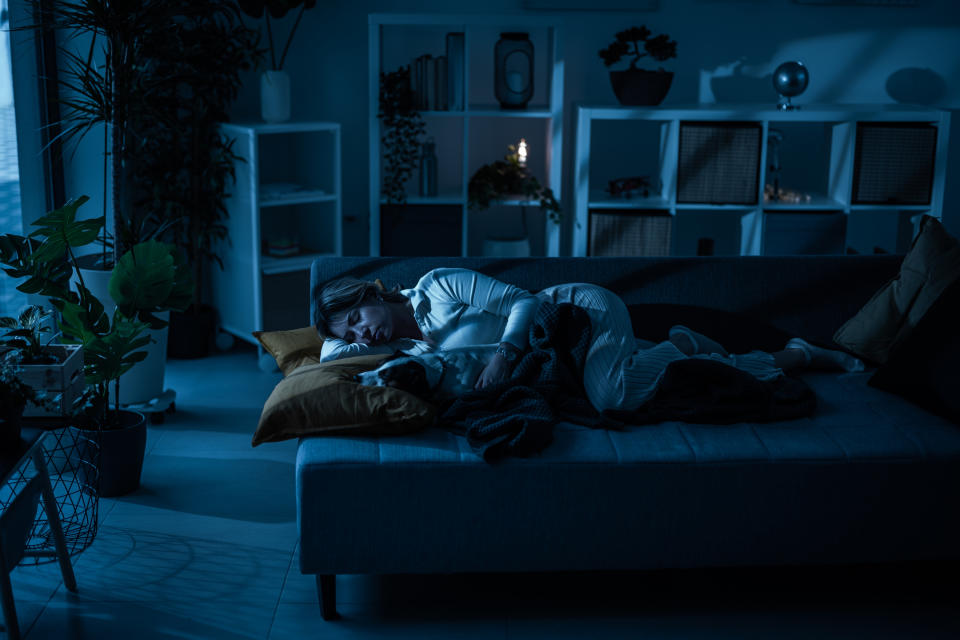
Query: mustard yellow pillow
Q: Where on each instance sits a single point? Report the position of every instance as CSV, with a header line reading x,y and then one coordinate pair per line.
x,y
932,263
292,348
323,399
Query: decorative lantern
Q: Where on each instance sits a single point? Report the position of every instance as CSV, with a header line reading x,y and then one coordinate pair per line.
x,y
513,70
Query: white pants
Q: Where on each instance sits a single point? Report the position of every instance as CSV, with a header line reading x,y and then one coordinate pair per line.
x,y
622,371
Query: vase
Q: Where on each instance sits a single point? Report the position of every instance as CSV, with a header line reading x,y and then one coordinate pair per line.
x,y
513,70
275,96
112,461
506,247
640,87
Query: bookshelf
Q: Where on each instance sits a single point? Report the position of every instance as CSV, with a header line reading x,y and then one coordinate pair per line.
x,y
858,198
466,138
284,212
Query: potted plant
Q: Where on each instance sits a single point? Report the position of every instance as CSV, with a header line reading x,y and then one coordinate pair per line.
x,y
635,86
184,163
15,394
56,369
402,128
510,179
274,82
150,277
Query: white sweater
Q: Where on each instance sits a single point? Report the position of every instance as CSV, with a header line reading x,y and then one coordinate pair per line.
x,y
455,308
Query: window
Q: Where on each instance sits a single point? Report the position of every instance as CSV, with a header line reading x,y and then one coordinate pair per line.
x,y
10,217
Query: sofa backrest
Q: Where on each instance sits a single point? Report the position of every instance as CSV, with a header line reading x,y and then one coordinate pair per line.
x,y
802,295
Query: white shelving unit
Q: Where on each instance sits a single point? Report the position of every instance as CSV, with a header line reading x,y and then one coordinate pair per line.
x,y
838,125
287,189
396,39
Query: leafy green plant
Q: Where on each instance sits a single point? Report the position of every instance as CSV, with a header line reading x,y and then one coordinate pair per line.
x,y
508,178
14,392
402,128
277,9
149,278
628,43
26,333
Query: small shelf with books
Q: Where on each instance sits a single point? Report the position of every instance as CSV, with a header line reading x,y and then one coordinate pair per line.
x,y
467,124
284,211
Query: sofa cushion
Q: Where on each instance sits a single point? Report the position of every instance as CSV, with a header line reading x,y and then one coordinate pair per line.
x,y
292,348
890,316
925,367
323,399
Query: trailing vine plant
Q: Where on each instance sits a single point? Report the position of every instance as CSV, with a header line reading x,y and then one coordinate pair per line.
x,y
402,128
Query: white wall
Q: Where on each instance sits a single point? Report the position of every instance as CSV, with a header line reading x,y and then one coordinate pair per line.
x,y
727,50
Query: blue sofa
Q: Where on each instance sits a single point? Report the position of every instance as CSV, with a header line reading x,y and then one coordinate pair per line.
x,y
868,478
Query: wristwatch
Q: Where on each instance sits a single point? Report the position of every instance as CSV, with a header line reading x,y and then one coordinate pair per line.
x,y
509,352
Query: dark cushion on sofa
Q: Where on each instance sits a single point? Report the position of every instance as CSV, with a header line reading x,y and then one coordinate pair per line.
x,y
737,332
925,367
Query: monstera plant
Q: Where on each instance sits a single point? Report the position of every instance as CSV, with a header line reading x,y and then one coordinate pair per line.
x,y
149,278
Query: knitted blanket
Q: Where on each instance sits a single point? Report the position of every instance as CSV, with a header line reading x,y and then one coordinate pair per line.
x,y
516,417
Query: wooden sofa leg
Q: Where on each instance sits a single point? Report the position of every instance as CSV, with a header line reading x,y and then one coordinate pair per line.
x,y
327,592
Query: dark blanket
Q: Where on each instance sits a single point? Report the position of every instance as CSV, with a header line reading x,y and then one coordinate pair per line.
x,y
516,417
710,392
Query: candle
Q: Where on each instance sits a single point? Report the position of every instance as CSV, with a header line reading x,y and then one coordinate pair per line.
x,y
522,152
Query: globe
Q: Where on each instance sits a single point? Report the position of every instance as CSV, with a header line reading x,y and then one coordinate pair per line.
x,y
790,79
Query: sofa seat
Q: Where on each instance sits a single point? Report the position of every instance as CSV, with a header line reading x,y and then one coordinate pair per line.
x,y
849,484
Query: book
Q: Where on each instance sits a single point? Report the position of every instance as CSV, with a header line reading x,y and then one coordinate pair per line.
x,y
455,71
440,84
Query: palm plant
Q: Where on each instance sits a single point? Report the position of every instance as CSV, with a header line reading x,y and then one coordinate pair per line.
x,y
26,333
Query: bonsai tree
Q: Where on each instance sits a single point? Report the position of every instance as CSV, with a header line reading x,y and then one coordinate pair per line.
x,y
149,278
508,177
276,8
628,43
402,128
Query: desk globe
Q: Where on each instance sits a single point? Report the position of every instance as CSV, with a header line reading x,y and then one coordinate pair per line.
x,y
790,79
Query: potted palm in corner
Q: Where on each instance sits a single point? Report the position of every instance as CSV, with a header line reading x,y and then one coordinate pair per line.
x,y
151,277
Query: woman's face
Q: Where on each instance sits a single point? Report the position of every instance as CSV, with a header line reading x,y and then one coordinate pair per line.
x,y
370,322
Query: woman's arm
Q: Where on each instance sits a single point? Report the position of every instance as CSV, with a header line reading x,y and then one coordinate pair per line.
x,y
488,294
335,348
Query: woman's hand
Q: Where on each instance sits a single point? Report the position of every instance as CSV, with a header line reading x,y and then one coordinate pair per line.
x,y
496,371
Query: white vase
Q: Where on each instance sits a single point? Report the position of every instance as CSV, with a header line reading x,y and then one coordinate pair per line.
x,y
275,96
144,381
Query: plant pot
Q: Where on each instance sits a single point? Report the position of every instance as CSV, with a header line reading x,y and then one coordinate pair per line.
x,y
507,247
62,381
275,96
640,87
144,381
191,332
116,453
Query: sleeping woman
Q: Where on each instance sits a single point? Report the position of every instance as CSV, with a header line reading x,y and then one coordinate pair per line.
x,y
455,308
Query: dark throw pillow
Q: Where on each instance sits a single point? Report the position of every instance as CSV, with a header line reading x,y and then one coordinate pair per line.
x,y
925,367
737,332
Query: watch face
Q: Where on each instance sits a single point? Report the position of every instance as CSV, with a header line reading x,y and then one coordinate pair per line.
x,y
507,354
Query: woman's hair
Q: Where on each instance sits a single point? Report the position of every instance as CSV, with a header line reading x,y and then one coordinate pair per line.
x,y
333,297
